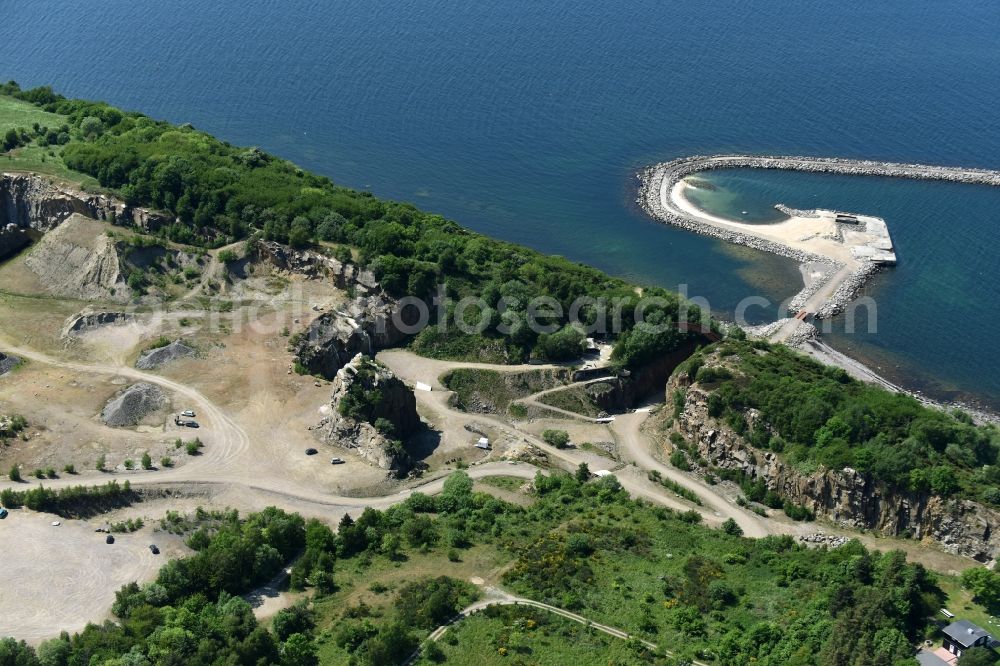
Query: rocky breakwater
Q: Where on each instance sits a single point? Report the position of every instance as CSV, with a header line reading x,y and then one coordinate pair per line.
x,y
373,413
30,201
845,497
658,181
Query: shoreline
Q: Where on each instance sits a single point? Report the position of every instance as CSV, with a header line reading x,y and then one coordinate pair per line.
x,y
831,276
661,197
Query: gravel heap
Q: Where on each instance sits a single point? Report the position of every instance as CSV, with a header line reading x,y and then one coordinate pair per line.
x,y
154,358
133,404
8,363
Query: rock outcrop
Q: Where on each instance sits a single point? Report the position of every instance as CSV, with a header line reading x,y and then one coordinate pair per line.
x,y
332,339
133,404
88,321
33,202
8,363
12,240
373,411
77,260
154,358
846,497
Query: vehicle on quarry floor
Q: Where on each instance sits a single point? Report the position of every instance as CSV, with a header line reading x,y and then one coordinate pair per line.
x,y
311,452
109,540
336,461
154,549
3,513
192,424
187,412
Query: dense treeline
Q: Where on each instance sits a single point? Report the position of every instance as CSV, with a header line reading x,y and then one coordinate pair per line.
x,y
583,545
189,615
817,415
222,193
71,502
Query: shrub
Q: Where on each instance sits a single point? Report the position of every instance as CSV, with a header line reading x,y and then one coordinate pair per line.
x,y
556,438
147,461
15,474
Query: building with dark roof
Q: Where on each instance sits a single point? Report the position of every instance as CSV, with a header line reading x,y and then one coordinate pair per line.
x,y
962,635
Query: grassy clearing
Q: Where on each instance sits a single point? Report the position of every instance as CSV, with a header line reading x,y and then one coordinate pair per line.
x,y
17,114
512,483
367,587
961,604
510,634
573,399
491,391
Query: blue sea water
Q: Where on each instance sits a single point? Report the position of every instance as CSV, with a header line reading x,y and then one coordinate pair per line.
x,y
528,120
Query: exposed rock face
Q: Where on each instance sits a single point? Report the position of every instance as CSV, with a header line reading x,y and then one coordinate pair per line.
x,y
12,239
847,497
8,363
333,338
314,264
76,260
32,202
132,405
356,410
87,321
154,358
330,342
617,394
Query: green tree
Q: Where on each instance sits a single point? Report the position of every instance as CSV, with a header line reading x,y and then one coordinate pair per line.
x,y
984,585
301,232
91,127
729,526
978,656
15,474
583,473
299,650
556,438
147,461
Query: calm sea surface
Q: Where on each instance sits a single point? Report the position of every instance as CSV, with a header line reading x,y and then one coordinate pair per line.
x,y
527,120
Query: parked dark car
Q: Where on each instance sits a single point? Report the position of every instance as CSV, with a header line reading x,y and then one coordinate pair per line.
x,y
311,452
3,513
154,549
109,540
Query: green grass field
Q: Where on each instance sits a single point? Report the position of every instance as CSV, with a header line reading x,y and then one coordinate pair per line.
x,y
517,635
16,114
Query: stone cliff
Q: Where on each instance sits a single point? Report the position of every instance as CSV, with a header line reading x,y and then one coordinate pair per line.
x,y
30,201
372,412
370,322
846,497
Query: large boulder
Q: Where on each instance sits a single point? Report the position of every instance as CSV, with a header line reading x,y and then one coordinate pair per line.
x,y
329,343
373,412
133,404
154,358
8,363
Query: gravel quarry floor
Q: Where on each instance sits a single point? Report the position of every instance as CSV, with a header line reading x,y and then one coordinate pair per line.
x,y
61,578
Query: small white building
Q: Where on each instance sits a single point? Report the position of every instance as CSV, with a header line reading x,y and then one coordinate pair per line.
x,y
483,443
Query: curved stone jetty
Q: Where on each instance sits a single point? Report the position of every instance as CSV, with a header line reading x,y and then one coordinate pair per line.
x,y
851,247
